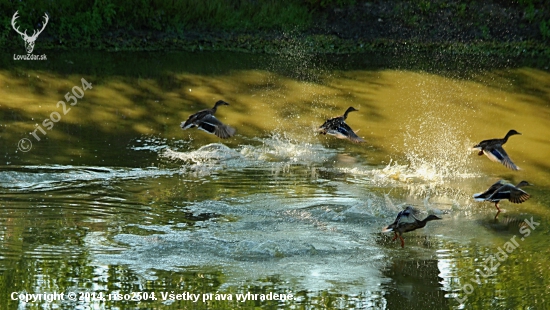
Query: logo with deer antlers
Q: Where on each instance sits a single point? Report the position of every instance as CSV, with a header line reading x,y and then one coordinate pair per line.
x,y
29,40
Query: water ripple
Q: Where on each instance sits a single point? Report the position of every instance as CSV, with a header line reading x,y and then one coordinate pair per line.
x,y
56,177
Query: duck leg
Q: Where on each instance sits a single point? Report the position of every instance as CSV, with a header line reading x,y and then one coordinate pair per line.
x,y
496,215
402,241
394,236
496,205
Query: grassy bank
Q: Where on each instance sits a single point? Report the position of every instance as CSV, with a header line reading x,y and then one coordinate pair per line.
x,y
321,26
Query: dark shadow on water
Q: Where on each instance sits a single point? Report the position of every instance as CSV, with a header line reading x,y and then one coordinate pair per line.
x,y
505,222
416,285
301,67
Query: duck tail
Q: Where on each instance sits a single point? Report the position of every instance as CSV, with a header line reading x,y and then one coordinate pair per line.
x,y
185,125
478,197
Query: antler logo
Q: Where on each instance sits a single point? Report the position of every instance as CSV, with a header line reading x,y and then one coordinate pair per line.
x,y
29,41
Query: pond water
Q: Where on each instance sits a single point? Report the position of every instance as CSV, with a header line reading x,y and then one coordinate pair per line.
x,y
114,198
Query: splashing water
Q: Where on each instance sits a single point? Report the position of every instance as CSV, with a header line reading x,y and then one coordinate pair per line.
x,y
439,156
282,148
432,142
206,159
275,150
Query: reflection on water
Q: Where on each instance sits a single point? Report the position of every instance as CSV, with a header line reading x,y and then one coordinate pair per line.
x,y
117,198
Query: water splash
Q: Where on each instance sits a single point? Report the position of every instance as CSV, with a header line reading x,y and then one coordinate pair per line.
x,y
207,159
214,152
283,148
288,239
296,59
438,156
277,150
155,144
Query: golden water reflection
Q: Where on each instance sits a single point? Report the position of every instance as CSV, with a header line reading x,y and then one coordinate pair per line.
x,y
400,112
418,118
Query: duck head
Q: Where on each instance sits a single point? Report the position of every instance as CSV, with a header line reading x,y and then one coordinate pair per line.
x,y
523,183
431,217
350,109
512,132
221,102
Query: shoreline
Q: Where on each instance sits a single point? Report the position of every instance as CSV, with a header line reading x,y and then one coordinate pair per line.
x,y
327,27
262,43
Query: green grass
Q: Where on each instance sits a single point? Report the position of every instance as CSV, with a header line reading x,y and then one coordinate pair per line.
x,y
545,29
80,22
235,24
244,15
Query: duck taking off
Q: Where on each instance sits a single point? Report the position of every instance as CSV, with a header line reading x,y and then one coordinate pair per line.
x,y
504,190
493,149
206,121
337,127
406,221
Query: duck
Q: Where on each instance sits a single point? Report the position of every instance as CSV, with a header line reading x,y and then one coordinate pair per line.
x,y
492,148
503,190
205,120
337,127
406,221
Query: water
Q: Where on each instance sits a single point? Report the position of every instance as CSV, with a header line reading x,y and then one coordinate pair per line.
x,y
116,198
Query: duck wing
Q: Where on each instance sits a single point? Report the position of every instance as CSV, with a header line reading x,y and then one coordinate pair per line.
x,y
408,215
341,130
349,133
195,119
486,194
487,143
331,127
211,124
403,217
498,154
510,192
330,124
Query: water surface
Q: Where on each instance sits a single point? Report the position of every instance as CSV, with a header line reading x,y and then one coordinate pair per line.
x,y
116,198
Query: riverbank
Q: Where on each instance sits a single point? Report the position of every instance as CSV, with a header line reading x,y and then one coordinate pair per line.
x,y
321,27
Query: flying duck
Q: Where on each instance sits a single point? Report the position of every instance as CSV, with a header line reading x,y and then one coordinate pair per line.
x,y
337,127
504,190
206,121
493,149
406,221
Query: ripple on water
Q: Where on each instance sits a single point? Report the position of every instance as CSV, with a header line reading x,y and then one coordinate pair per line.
x,y
320,243
67,201
428,175
57,177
